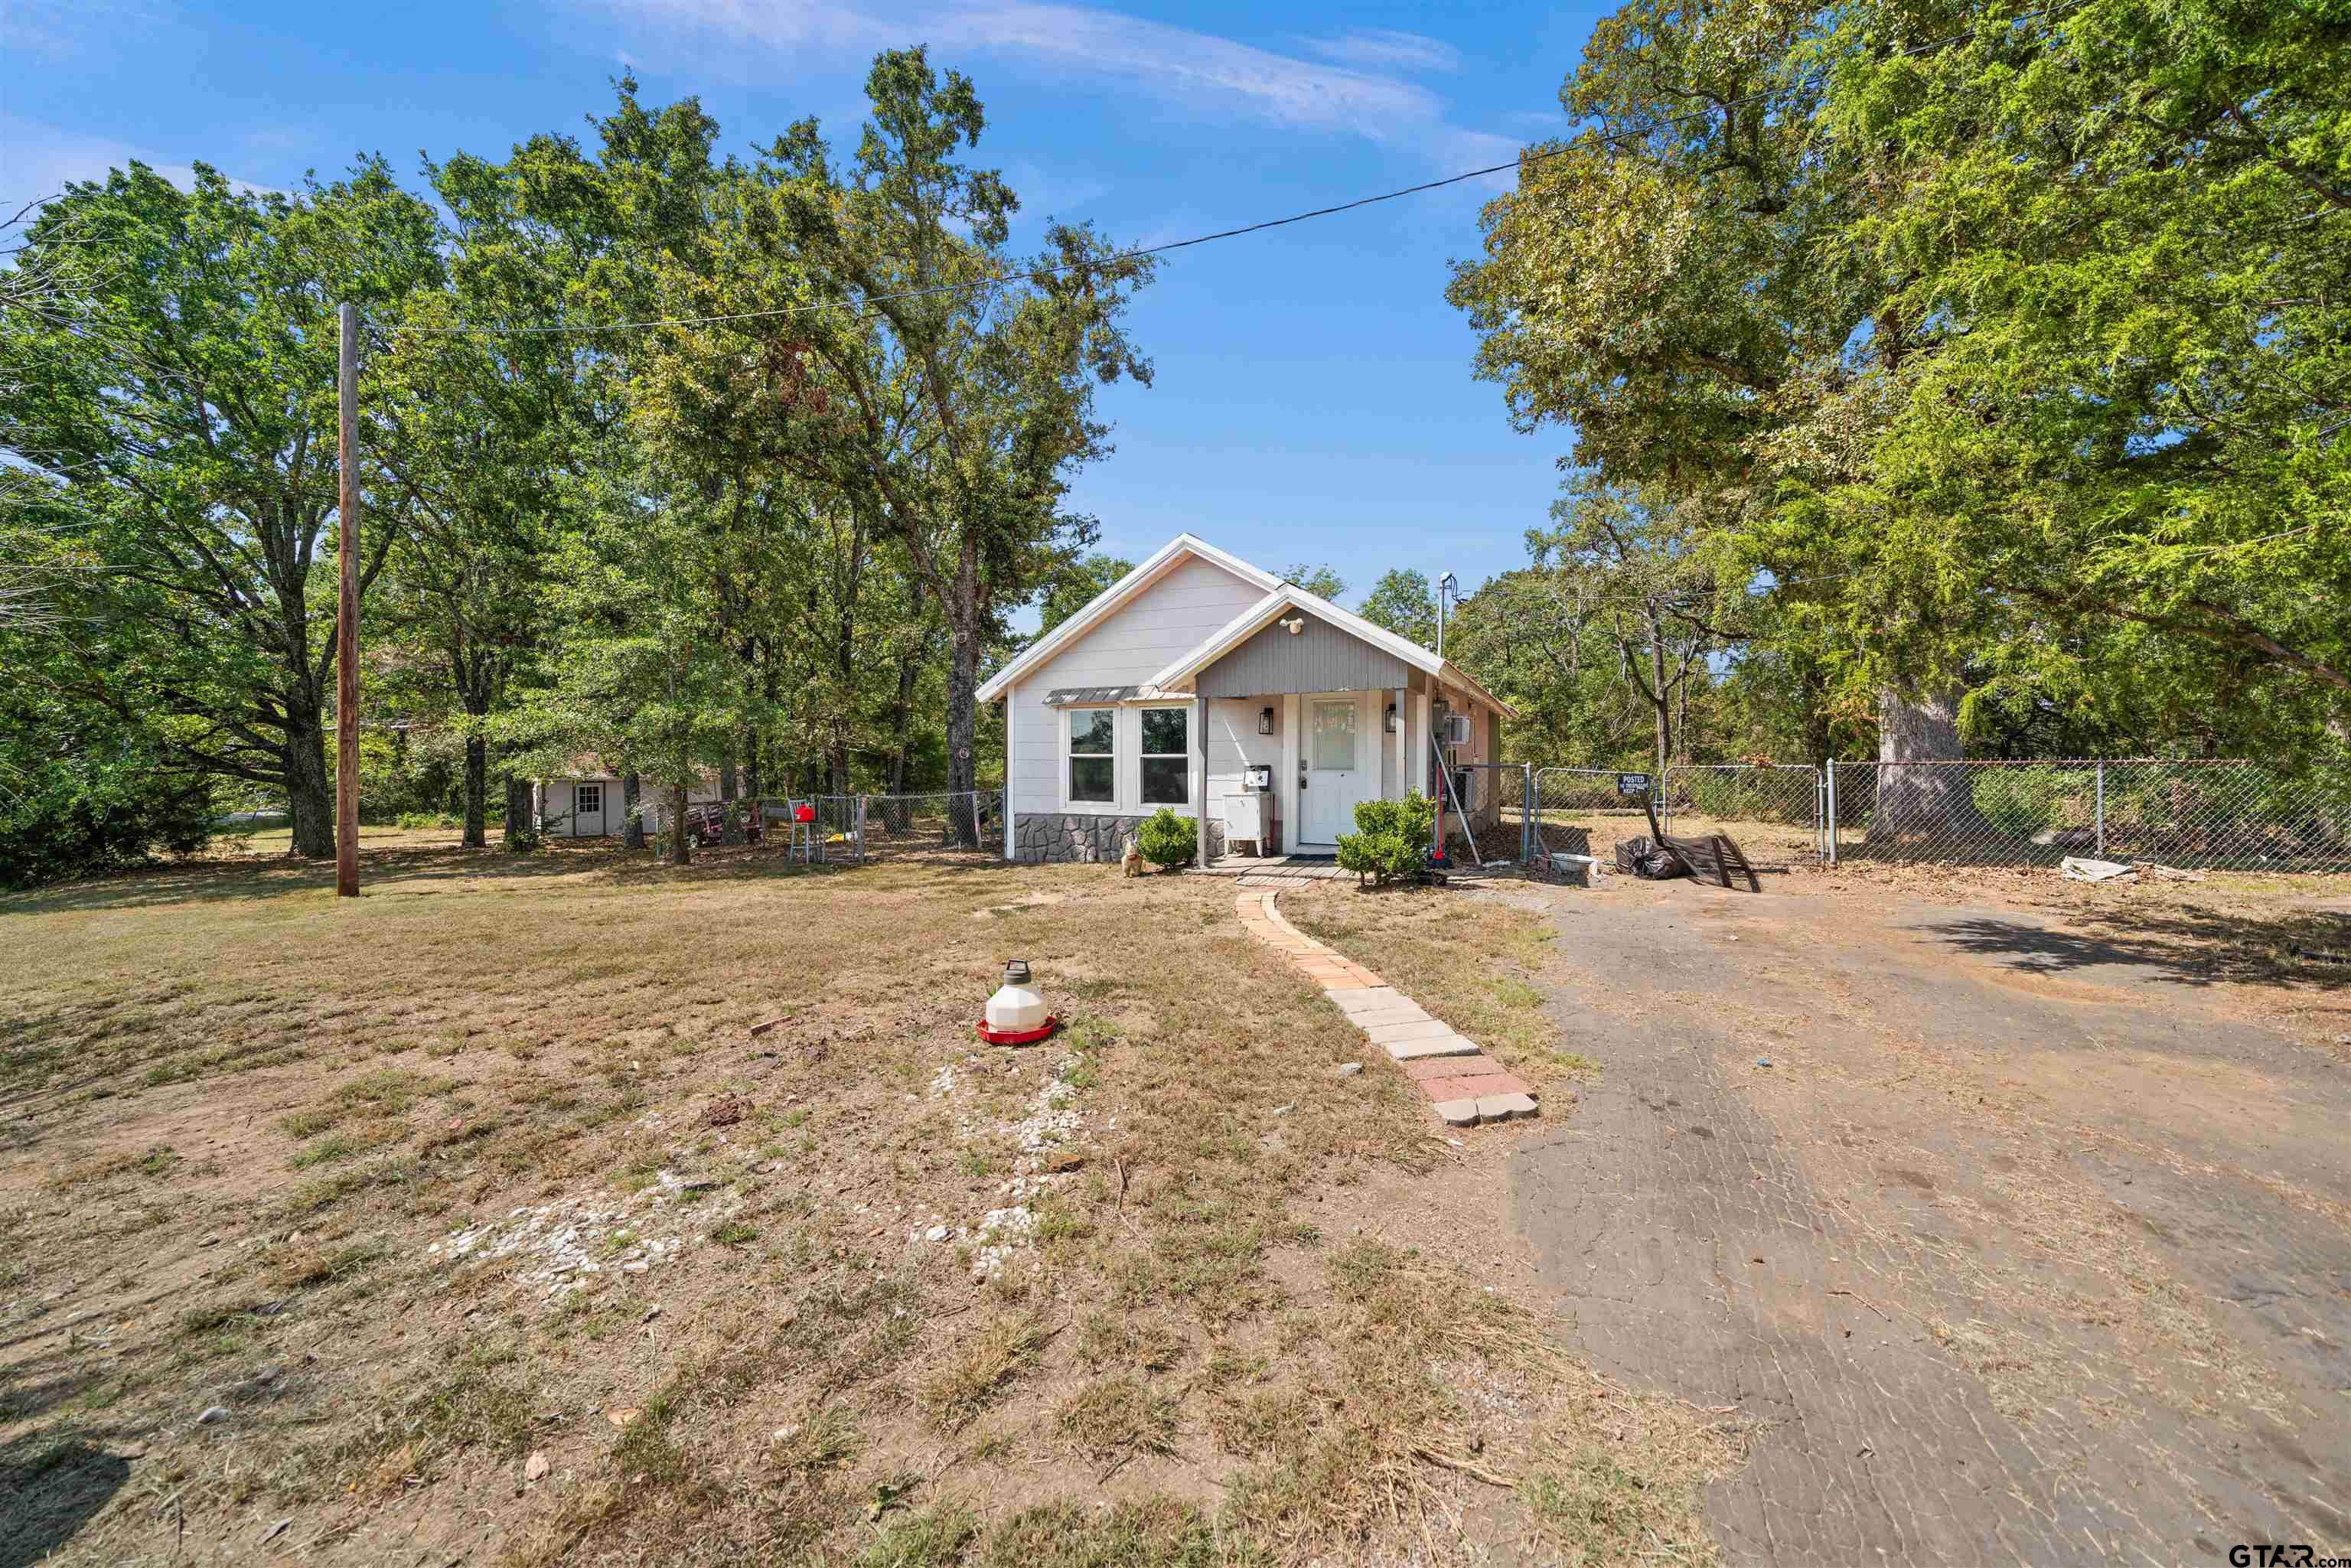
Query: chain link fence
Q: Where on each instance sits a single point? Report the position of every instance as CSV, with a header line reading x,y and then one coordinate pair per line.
x,y
2216,815
1490,799
1581,812
896,824
1772,810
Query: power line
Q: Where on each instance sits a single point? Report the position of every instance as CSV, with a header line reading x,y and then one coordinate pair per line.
x,y
1622,141
1113,260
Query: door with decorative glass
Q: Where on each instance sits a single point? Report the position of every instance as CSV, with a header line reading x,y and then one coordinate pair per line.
x,y
1342,767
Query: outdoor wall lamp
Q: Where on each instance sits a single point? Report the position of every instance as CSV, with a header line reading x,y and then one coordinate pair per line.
x,y
1392,718
1265,721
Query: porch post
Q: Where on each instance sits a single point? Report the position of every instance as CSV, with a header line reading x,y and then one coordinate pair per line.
x,y
1403,783
1200,775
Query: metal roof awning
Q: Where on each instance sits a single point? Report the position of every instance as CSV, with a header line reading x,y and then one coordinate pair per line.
x,y
1080,696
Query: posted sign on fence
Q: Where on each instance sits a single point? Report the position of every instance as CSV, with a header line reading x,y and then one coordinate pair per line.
x,y
1632,783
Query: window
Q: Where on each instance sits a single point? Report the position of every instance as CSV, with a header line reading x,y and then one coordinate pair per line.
x,y
589,801
1166,755
1092,775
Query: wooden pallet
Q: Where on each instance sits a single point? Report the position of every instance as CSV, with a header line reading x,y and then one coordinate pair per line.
x,y
1710,858
1713,859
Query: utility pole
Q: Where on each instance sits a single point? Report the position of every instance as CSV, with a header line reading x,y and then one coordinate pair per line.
x,y
347,612
1449,583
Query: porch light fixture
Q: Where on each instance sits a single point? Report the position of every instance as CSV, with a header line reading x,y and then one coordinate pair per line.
x,y
1392,718
1265,720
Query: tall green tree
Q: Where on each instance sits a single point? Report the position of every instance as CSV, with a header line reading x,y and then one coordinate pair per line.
x,y
484,430
185,410
2004,350
1077,585
1320,581
960,377
1403,602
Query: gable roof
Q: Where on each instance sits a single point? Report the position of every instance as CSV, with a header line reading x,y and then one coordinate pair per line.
x,y
1111,600
1279,596
1288,596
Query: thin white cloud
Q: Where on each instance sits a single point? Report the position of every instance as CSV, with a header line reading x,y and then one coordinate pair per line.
x,y
56,29
1357,93
38,162
1383,48
1180,63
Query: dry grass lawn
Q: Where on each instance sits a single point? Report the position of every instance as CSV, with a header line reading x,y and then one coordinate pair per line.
x,y
470,1222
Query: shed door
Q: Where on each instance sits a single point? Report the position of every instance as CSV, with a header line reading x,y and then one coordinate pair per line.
x,y
1341,767
588,809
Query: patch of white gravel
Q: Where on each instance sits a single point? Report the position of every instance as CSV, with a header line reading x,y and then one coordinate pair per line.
x,y
563,1244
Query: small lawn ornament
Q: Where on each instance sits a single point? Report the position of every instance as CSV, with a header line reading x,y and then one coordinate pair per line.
x,y
1016,1013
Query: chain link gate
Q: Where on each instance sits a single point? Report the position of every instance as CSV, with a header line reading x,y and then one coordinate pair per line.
x,y
1579,811
1767,809
2221,815
1491,799
935,821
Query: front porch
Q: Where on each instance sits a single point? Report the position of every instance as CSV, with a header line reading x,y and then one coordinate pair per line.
x,y
1273,868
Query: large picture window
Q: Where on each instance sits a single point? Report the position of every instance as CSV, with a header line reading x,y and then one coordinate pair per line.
x,y
1093,773
1166,755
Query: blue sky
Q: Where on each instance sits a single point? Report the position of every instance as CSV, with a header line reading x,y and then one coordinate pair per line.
x,y
1314,398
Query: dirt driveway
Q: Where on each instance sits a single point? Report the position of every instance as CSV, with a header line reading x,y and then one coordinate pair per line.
x,y
2004,1240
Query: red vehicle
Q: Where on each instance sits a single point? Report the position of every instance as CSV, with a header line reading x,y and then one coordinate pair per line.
x,y
707,823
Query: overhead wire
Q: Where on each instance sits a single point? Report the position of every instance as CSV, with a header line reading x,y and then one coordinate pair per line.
x,y
1621,140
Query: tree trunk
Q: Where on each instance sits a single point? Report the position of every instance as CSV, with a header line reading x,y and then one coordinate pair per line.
x,y
730,832
1660,700
1918,797
1817,723
681,838
518,816
632,834
310,796
478,783
963,683
910,670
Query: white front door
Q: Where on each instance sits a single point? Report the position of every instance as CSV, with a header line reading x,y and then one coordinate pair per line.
x,y
586,810
1342,767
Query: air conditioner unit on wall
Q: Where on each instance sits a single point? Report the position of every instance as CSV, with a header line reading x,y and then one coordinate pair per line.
x,y
1456,729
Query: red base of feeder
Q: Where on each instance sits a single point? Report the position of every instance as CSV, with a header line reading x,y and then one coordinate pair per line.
x,y
1017,1036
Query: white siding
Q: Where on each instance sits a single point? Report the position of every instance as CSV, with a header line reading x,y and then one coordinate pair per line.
x,y
1173,615
1235,744
652,804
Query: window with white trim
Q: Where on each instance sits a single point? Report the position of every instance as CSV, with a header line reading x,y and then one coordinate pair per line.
x,y
1092,768
1166,757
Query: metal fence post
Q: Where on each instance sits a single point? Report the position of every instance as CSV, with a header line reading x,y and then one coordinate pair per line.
x,y
1833,811
2102,808
1527,814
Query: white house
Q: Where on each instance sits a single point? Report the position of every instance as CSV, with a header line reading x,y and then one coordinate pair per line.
x,y
1201,679
584,801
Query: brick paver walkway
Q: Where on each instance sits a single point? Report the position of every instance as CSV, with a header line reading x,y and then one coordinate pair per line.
x,y
1464,1084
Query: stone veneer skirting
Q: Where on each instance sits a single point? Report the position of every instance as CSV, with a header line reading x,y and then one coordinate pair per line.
x,y
1082,836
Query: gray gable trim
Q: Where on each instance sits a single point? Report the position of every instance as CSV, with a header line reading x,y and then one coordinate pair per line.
x,y
1320,657
1075,696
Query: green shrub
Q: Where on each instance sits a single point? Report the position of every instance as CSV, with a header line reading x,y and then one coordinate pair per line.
x,y
1390,838
1167,839
2023,801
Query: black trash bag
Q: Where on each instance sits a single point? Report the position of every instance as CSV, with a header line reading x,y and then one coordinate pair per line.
x,y
1637,856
